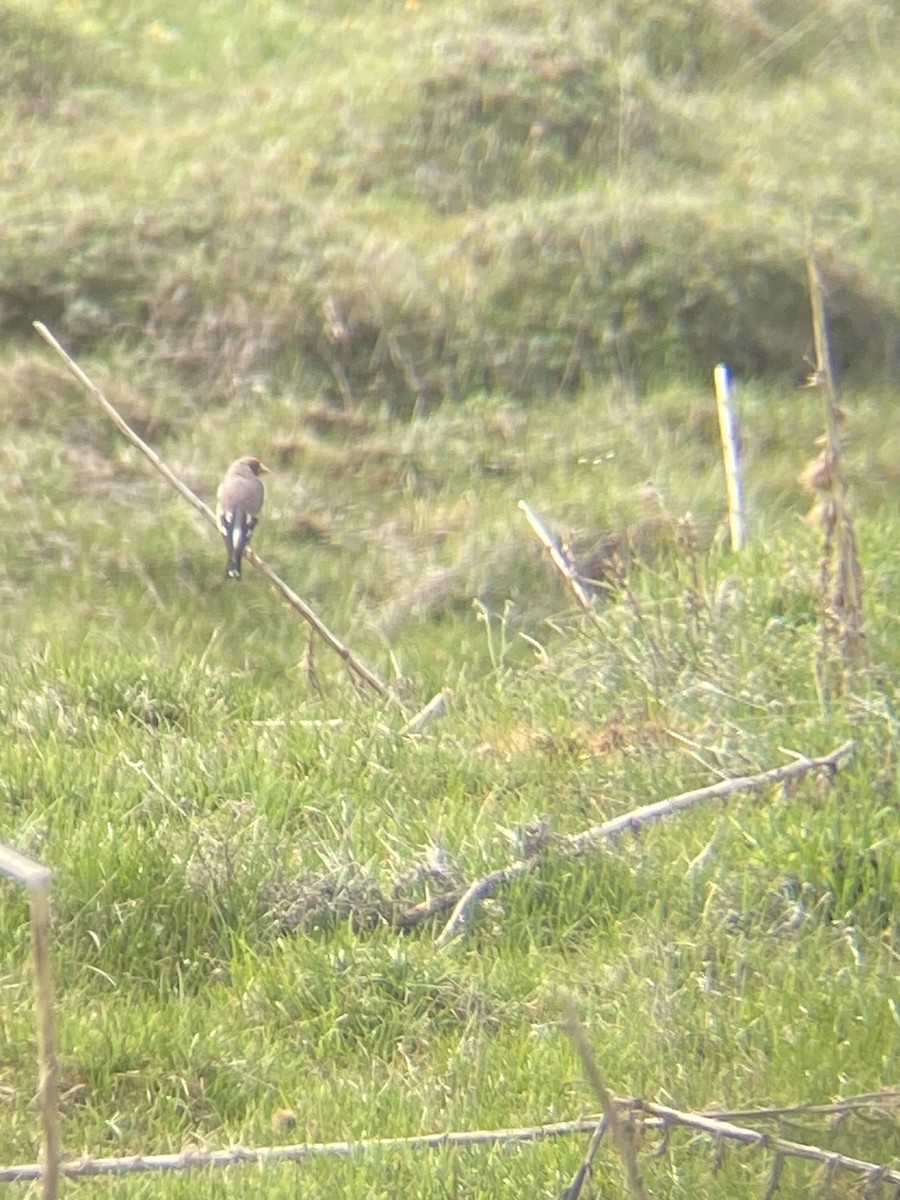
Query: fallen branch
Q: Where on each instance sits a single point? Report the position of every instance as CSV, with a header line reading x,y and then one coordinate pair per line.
x,y
653,1117
190,1160
707,1123
714,1126
353,664
631,822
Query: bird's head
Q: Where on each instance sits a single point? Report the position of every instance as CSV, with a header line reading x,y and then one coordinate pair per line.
x,y
257,467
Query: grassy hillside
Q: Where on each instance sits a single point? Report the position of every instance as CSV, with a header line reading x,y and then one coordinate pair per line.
x,y
428,260
407,204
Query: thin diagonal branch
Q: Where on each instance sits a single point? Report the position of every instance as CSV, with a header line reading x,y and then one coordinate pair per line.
x,y
565,568
632,821
353,663
573,1191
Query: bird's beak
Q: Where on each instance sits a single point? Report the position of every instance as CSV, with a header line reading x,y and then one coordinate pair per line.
x,y
263,469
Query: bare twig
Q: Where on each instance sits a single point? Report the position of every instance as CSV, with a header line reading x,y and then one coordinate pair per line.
x,y
717,1128
36,879
631,822
558,559
412,917
433,711
573,1191
480,890
281,723
887,1099
353,664
617,1127
774,1179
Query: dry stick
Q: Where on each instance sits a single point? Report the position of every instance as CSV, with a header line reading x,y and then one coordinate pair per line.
x,y
580,843
292,598
192,1159
887,1099
557,558
573,1191
409,918
774,1180
435,708
36,879
752,1137
353,663
824,376
620,1135
846,591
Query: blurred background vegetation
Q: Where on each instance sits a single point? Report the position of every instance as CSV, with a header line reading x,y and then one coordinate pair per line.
x,y
404,205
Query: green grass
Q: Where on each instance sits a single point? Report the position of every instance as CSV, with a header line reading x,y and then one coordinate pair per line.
x,y
426,261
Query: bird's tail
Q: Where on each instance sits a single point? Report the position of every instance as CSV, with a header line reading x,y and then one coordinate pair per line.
x,y
233,570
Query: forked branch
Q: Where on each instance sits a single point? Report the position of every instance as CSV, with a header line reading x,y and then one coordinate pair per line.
x,y
713,1125
631,822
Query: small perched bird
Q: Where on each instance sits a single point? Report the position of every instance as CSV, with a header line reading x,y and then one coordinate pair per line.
x,y
239,502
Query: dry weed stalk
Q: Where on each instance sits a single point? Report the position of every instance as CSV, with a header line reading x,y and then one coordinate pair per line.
x,y
357,670
36,880
840,578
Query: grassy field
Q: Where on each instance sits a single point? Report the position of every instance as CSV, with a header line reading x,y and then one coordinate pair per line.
x,y
428,260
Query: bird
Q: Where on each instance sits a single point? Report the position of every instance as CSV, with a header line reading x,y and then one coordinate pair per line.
x,y
239,502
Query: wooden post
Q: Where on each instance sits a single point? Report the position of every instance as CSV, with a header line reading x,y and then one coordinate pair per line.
x,y
731,455
36,879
